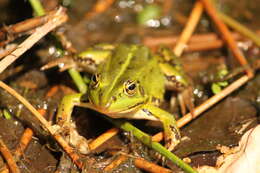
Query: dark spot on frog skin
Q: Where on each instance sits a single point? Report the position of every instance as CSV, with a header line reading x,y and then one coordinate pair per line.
x,y
156,100
168,141
147,112
130,68
120,62
113,98
85,60
171,78
84,98
174,64
141,89
178,85
175,131
59,119
100,95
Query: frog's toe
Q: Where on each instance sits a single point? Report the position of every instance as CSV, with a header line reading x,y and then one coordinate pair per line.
x,y
71,135
172,139
160,158
185,99
79,142
171,144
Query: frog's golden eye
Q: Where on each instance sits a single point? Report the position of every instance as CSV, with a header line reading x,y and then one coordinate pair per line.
x,y
130,87
95,80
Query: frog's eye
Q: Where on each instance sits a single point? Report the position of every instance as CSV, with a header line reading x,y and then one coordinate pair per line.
x,y
130,87
95,80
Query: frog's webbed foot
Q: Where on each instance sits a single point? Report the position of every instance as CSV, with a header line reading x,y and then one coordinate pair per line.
x,y
184,94
185,99
77,141
172,140
71,135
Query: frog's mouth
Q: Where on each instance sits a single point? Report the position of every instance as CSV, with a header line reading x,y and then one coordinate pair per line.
x,y
115,113
131,113
123,113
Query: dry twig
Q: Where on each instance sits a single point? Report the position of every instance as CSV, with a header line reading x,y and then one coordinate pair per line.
x,y
4,169
189,28
7,50
99,7
44,123
167,5
149,166
9,33
197,42
56,18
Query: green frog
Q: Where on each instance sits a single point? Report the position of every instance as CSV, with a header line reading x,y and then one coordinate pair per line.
x,y
129,82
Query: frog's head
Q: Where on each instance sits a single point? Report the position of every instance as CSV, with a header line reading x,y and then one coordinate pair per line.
x,y
114,98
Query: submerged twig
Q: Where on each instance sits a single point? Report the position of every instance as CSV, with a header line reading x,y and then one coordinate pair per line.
x,y
24,142
150,167
26,138
115,163
103,138
56,18
8,157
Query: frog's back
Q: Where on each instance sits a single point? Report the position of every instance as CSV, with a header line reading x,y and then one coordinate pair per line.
x,y
134,63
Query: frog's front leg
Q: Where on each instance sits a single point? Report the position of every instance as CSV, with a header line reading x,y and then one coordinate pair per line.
x,y
66,107
67,127
171,131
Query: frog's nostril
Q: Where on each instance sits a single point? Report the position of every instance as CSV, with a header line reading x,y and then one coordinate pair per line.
x,y
113,98
84,98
